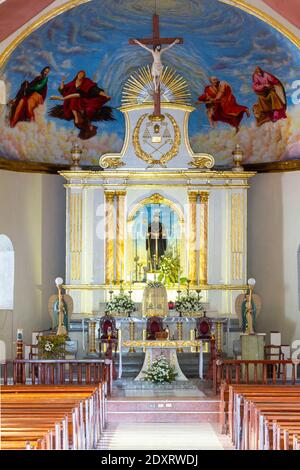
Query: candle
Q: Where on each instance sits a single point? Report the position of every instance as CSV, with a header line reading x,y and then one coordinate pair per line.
x,y
82,326
179,279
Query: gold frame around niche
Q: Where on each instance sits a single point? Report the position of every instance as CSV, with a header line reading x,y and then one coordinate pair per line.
x,y
155,198
42,167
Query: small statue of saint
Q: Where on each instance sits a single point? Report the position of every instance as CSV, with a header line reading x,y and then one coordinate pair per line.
x,y
156,242
248,307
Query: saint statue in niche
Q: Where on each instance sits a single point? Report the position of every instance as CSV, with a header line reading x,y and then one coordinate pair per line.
x,y
83,103
221,104
29,97
271,105
156,242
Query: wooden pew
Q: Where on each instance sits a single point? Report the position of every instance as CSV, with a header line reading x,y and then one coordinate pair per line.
x,y
261,416
51,417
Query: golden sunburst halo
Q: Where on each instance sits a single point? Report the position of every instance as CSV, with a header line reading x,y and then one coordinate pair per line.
x,y
139,88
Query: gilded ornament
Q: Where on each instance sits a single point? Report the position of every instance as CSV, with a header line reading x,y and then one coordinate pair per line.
x,y
146,157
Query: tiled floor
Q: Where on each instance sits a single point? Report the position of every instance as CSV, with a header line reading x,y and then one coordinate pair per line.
x,y
162,436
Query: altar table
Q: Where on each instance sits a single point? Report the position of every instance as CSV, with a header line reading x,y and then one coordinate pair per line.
x,y
168,348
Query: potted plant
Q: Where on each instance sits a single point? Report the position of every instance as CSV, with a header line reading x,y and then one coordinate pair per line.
x,y
52,347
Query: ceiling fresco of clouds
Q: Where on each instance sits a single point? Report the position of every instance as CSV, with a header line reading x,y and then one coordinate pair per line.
x,y
220,41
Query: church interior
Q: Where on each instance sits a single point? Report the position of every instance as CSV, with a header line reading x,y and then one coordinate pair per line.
x,y
149,257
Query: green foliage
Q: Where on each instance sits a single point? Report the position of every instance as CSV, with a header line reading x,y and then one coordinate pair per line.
x,y
160,371
52,347
169,269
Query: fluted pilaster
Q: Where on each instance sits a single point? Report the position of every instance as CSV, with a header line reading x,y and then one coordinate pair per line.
x,y
204,195
109,236
192,236
120,196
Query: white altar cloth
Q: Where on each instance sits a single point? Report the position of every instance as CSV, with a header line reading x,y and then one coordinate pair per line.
x,y
168,348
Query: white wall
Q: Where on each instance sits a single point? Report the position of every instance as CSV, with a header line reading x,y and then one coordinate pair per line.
x,y
274,239
32,215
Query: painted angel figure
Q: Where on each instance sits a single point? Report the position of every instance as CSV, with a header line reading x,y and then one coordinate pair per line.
x,y
83,103
157,66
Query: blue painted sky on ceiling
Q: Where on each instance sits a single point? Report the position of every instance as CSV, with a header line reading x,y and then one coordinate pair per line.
x,y
219,40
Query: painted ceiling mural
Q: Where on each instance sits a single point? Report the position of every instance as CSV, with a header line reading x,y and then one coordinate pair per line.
x,y
66,80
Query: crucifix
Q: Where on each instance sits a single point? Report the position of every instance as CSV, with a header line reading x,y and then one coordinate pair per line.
x,y
156,42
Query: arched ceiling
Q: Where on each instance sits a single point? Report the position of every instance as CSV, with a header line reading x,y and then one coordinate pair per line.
x,y
16,13
69,41
289,9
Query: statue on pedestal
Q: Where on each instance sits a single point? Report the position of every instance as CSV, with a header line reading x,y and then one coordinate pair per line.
x,y
248,307
156,242
60,308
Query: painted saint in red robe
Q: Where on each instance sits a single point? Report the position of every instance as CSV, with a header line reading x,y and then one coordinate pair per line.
x,y
29,97
83,103
271,105
221,104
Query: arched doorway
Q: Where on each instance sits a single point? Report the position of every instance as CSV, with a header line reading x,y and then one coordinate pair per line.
x,y
7,273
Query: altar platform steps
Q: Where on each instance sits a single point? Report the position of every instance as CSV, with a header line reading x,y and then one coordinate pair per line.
x,y
164,410
189,363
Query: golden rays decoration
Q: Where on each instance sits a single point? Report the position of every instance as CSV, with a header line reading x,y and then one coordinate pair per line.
x,y
139,88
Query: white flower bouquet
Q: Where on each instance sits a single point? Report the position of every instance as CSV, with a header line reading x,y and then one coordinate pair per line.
x,y
121,303
189,303
160,371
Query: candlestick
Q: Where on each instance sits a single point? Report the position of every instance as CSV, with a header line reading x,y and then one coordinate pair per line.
x,y
131,335
20,355
92,338
179,334
136,260
188,286
83,342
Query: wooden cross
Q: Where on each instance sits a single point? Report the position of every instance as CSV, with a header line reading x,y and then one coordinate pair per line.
x,y
155,41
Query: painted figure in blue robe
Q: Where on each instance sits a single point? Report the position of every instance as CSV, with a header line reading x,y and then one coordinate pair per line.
x,y
248,315
56,313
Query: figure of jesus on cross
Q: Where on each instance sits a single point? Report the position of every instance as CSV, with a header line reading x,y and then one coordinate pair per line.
x,y
157,67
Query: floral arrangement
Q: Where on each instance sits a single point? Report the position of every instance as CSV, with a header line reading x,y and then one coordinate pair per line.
x,y
155,284
52,347
121,303
169,269
189,303
160,371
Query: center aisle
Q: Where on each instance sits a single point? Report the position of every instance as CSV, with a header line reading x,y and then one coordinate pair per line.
x,y
181,416
162,436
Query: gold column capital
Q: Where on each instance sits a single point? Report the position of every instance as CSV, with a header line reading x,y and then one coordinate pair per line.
x,y
120,192
109,195
204,195
193,195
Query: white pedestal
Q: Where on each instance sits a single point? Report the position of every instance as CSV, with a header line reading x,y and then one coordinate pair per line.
x,y
253,349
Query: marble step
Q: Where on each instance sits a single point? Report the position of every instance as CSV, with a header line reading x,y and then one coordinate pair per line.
x,y
163,410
